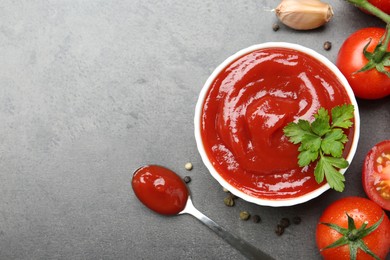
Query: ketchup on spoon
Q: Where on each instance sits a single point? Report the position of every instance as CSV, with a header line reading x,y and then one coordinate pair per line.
x,y
160,189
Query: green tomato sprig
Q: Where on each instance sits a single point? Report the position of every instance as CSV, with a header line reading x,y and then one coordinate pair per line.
x,y
323,140
379,59
353,237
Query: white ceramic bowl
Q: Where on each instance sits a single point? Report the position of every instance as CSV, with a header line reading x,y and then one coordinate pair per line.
x,y
198,112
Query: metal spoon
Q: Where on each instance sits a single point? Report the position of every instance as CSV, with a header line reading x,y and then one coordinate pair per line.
x,y
238,243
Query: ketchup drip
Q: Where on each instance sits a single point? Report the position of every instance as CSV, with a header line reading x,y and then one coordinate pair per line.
x,y
160,189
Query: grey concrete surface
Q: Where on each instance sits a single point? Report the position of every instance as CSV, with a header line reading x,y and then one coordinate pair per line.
x,y
91,90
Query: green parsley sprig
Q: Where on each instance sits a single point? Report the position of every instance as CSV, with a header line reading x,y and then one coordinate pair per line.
x,y
323,140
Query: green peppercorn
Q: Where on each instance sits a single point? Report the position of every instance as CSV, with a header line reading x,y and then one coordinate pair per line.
x,y
229,201
244,215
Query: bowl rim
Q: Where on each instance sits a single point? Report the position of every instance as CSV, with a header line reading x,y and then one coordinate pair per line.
x,y
199,106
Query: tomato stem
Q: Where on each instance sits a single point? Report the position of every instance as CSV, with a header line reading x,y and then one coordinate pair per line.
x,y
380,53
364,4
353,237
379,58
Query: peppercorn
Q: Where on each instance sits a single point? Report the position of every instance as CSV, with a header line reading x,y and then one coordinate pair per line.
x,y
244,215
188,166
256,218
327,45
284,222
229,201
275,27
279,230
296,220
187,179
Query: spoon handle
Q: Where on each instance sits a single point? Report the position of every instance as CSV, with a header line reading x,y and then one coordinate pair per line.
x,y
241,245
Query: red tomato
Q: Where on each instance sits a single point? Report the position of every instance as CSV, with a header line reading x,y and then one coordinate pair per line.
x,y
376,174
361,210
370,84
384,5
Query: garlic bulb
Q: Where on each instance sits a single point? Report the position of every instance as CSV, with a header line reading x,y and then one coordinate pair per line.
x,y
304,14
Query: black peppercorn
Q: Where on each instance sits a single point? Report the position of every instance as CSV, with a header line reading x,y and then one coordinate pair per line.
x,y
275,27
327,45
187,179
256,218
284,222
279,230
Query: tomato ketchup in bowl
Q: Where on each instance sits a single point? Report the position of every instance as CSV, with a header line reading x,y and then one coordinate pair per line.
x,y
243,108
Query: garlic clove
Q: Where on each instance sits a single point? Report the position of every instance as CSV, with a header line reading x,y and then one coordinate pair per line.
x,y
304,14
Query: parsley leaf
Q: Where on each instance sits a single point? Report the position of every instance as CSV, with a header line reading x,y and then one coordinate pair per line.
x,y
334,178
333,142
306,157
323,141
310,142
295,131
321,125
342,115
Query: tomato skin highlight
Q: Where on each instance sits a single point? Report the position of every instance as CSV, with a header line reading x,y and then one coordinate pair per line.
x,y
360,209
370,84
371,176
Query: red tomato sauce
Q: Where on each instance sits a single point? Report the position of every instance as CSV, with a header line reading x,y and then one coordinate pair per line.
x,y
246,109
160,189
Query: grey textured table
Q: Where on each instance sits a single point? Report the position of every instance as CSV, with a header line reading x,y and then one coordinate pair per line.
x,y
91,90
